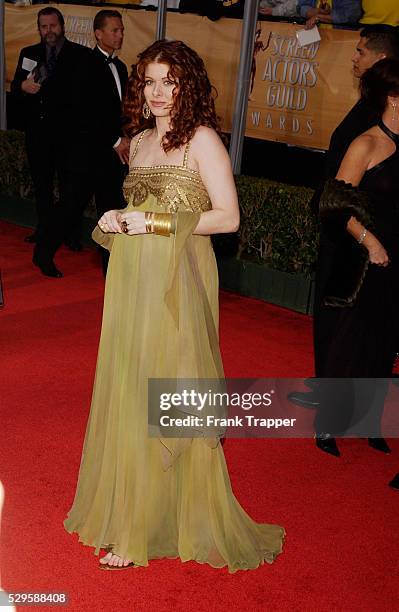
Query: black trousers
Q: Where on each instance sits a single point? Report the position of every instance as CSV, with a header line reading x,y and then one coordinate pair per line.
x,y
107,176
351,406
66,158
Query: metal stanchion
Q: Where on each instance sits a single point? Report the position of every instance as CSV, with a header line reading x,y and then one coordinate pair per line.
x,y
243,82
3,116
161,19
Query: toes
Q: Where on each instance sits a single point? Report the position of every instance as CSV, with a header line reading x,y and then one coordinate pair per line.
x,y
105,560
114,560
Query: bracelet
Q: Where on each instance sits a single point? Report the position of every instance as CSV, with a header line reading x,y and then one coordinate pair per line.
x,y
362,236
162,224
149,222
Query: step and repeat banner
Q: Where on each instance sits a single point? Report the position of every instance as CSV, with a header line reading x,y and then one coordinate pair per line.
x,y
298,95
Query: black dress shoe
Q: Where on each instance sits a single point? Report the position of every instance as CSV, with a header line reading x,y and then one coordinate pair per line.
x,y
327,444
379,444
73,245
395,482
311,383
305,399
47,267
31,238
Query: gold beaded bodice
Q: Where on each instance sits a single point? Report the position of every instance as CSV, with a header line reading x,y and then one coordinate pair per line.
x,y
175,187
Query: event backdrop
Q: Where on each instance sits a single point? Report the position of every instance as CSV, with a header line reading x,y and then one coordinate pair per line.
x,y
298,95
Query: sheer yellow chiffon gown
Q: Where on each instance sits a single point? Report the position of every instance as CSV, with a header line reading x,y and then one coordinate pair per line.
x,y
160,497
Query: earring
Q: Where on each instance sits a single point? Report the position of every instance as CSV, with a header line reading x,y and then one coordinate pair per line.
x,y
395,111
146,111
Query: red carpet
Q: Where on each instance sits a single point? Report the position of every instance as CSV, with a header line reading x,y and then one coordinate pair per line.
x,y
341,518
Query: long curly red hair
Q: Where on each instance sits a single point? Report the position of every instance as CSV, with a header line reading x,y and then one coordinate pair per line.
x,y
193,99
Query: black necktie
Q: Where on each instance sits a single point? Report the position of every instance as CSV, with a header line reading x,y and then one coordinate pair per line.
x,y
110,59
52,60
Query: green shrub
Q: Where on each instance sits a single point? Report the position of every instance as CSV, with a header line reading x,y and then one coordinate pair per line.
x,y
15,178
277,227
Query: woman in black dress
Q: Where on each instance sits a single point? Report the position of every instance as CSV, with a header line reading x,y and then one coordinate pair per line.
x,y
359,210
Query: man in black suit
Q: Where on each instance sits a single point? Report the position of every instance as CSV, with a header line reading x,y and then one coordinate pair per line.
x,y
110,148
51,86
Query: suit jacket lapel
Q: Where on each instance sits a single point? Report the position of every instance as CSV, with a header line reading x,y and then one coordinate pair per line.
x,y
42,53
108,72
63,53
122,74
98,54
37,54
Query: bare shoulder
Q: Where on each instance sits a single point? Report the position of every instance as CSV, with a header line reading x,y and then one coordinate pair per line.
x,y
134,141
364,143
362,148
357,158
207,147
137,137
205,138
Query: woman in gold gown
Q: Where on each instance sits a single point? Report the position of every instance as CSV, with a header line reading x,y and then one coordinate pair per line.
x,y
139,497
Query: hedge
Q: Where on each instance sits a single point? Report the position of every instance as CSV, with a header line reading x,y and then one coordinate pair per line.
x,y
14,171
277,227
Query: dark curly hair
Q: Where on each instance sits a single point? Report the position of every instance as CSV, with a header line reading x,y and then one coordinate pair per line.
x,y
379,82
194,97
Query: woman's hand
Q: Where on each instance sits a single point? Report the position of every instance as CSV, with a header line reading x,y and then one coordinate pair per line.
x,y
133,223
377,253
110,222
